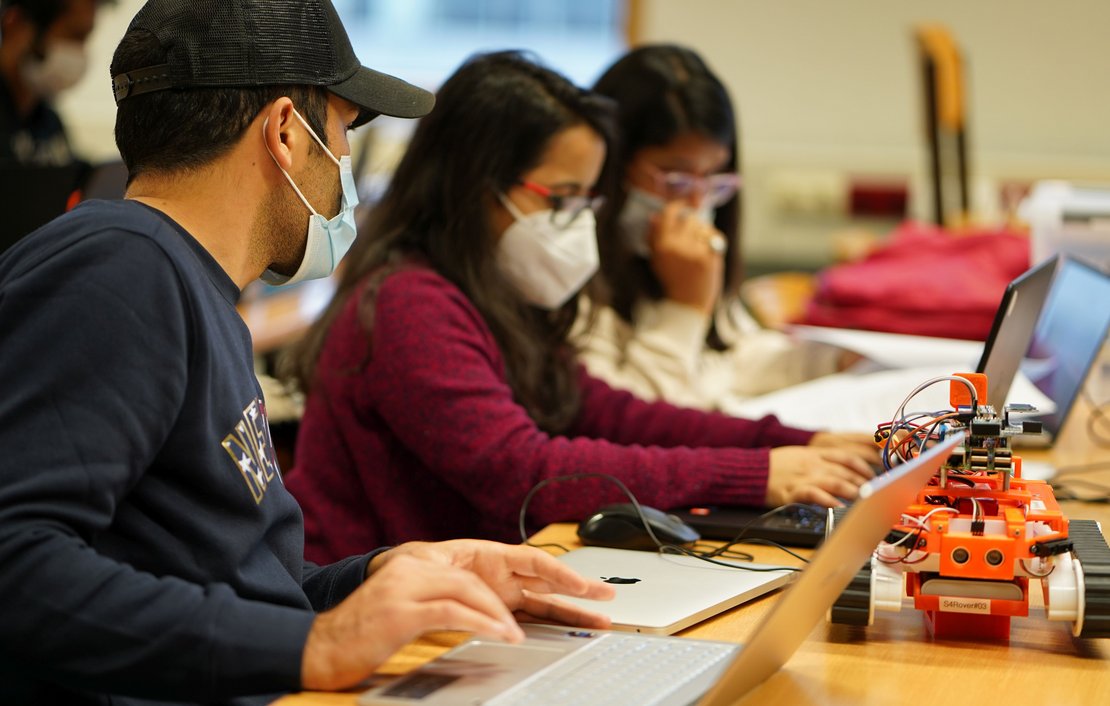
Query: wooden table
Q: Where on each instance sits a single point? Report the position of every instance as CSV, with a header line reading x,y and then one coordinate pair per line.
x,y
893,662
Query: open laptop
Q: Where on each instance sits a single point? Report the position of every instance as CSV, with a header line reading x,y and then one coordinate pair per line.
x,y
1052,337
556,665
1049,327
1012,330
664,593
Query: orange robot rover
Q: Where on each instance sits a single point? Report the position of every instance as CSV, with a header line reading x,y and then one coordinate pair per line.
x,y
978,534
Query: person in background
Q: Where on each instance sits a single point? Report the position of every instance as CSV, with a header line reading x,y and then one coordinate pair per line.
x,y
42,53
668,321
150,550
441,385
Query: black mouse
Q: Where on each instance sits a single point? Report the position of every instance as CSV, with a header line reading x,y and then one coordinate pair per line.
x,y
619,526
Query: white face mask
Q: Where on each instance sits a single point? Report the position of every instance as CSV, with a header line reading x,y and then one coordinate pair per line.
x,y
548,264
635,220
328,240
62,68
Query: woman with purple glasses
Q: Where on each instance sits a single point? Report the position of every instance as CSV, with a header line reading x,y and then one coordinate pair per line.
x,y
673,327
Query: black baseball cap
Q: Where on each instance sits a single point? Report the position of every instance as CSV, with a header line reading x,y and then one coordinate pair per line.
x,y
244,43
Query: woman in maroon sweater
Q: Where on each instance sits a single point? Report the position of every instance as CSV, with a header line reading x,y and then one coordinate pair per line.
x,y
441,384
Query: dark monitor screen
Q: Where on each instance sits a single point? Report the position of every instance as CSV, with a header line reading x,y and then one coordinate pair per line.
x,y
1068,336
33,196
1013,330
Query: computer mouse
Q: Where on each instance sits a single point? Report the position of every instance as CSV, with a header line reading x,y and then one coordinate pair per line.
x,y
620,527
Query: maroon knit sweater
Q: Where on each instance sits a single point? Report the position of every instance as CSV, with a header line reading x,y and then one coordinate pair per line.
x,y
423,440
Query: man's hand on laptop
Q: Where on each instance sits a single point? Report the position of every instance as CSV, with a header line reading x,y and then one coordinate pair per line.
x,y
813,474
469,585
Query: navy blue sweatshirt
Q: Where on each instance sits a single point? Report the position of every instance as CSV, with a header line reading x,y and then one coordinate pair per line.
x,y
149,551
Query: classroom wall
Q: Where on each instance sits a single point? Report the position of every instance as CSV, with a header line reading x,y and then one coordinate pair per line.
x,y
830,90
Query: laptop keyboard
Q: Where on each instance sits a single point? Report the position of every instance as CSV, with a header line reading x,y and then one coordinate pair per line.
x,y
620,669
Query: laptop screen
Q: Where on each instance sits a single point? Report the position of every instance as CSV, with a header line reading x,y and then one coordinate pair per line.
x,y
1012,330
1068,336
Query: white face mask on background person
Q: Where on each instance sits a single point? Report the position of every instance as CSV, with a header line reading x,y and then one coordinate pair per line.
x,y
548,264
62,67
635,221
328,239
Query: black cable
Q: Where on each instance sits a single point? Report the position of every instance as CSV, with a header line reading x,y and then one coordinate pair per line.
x,y
1067,491
1078,468
662,548
579,476
1096,417
772,543
675,549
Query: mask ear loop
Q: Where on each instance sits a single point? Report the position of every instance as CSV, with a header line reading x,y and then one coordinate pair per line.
x,y
316,137
510,206
288,178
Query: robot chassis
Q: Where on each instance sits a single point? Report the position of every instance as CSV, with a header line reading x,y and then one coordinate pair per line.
x,y
978,534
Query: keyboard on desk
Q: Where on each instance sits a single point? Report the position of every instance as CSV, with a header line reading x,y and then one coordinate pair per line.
x,y
794,526
648,670
564,667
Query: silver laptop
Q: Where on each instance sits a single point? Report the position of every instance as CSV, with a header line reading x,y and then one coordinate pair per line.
x,y
663,593
560,665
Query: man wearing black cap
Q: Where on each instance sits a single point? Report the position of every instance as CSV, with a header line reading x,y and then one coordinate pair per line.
x,y
150,552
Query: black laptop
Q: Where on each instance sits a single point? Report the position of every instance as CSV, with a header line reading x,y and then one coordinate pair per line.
x,y
35,195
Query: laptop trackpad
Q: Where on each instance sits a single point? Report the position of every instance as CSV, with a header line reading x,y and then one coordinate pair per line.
x,y
474,670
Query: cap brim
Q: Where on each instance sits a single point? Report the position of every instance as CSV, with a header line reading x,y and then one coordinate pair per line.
x,y
381,94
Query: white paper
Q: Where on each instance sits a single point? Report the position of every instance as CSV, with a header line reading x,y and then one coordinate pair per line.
x,y
897,350
861,401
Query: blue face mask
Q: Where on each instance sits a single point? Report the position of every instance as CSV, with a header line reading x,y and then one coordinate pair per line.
x,y
328,240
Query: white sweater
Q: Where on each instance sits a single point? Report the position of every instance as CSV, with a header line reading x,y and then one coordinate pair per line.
x,y
664,355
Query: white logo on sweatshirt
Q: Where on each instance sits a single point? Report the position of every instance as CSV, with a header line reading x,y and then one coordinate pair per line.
x,y
252,450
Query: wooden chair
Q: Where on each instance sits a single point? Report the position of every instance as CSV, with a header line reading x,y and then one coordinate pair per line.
x,y
778,299
942,69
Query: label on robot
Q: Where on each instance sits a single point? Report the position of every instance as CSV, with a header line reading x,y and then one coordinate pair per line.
x,y
955,604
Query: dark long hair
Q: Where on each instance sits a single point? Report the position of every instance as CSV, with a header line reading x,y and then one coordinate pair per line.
x,y
662,91
493,119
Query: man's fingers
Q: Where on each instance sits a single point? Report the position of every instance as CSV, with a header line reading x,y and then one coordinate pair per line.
x,y
423,581
448,614
540,572
549,609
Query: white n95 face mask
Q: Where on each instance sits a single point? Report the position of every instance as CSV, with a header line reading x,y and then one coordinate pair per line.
x,y
547,264
635,220
62,67
328,239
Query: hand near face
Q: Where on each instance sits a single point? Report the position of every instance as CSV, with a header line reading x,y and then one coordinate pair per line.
x,y
687,255
468,585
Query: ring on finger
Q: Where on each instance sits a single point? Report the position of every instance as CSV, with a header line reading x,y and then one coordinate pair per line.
x,y
717,243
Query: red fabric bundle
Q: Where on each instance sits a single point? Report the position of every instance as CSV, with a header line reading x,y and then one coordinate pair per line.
x,y
924,280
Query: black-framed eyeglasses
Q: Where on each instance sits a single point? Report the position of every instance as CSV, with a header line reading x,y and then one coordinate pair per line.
x,y
565,208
